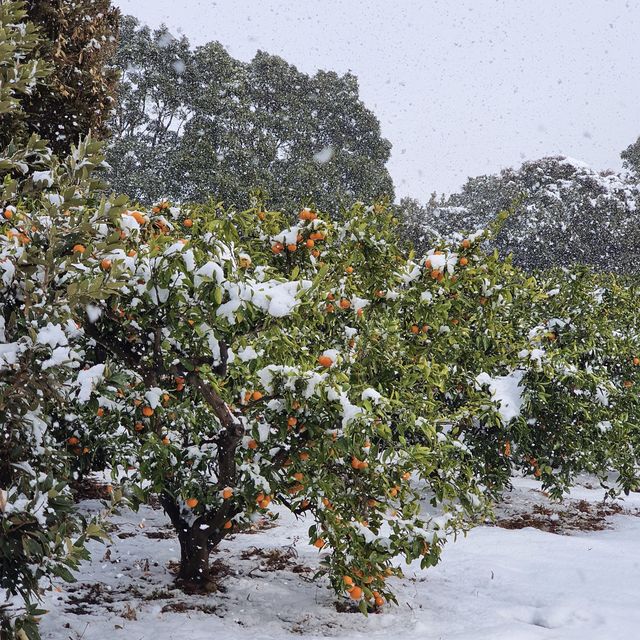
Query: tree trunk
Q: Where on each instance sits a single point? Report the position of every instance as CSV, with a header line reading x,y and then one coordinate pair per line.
x,y
194,555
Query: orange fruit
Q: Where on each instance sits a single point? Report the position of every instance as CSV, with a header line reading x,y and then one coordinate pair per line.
x,y
378,599
415,328
360,312
138,426
325,361
138,217
406,475
191,502
349,269
79,248
252,444
8,214
507,448
464,261
304,456
227,525
627,384
105,264
344,303
298,476
355,593
147,411
100,412
466,243
348,580
227,492
393,492
256,395
330,308
165,440
292,421
310,244
292,247
319,543
188,223
636,362
73,440
261,215
277,248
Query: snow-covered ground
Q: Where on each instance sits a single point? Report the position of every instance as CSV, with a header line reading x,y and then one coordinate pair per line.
x,y
497,583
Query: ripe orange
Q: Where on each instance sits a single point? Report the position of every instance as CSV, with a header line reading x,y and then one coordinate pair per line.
x,y
466,243
415,328
278,247
315,253
261,215
319,543
100,412
292,421
138,426
310,243
406,475
360,312
147,412
355,593
227,492
227,525
256,395
165,440
393,492
507,449
304,456
325,361
191,502
464,261
188,223
298,476
105,264
79,248
8,214
378,599
349,269
348,580
138,217
252,444
73,440
627,384
636,362
344,303
292,247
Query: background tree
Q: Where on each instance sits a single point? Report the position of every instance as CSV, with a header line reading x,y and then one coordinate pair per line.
x,y
78,40
192,124
631,157
565,214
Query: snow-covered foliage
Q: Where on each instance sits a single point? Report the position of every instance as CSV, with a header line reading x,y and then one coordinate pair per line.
x,y
564,213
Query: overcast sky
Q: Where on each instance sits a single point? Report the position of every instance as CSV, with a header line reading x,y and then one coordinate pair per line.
x,y
461,87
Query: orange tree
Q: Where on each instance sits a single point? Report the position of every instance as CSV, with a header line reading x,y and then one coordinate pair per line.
x,y
580,367
40,346
309,365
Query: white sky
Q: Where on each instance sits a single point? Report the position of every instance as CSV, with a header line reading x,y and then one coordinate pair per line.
x,y
461,87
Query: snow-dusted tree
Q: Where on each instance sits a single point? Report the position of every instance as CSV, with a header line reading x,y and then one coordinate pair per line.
x,y
565,213
78,39
42,201
194,124
631,157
